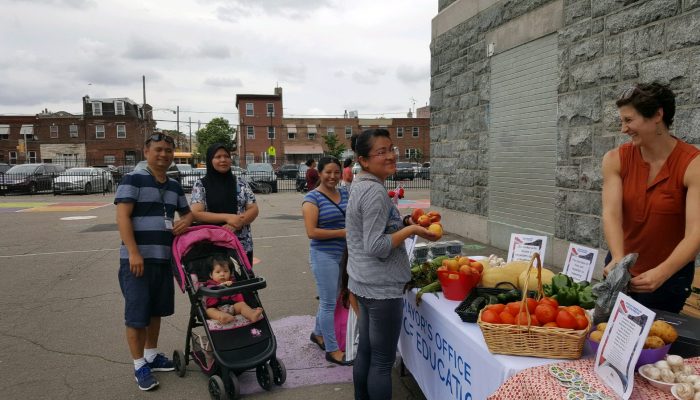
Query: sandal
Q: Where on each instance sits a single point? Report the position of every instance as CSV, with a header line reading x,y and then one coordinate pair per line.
x,y
315,339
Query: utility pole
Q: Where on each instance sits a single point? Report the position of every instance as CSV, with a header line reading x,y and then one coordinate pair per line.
x,y
190,125
178,122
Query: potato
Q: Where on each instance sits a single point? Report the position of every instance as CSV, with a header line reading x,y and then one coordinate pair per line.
x,y
664,330
596,336
653,342
601,326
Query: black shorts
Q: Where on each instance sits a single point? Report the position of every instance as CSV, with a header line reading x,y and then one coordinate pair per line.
x,y
150,295
671,295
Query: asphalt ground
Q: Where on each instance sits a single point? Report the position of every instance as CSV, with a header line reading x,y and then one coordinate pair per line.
x,y
61,309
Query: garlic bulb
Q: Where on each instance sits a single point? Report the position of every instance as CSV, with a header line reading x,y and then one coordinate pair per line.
x,y
697,396
662,365
696,386
692,378
688,369
652,372
667,376
684,391
674,360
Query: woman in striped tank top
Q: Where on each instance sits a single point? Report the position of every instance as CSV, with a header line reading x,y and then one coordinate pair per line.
x,y
324,218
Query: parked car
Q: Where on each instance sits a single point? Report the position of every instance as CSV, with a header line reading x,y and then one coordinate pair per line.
x,y
172,171
190,177
238,171
4,167
301,178
184,168
29,178
121,171
425,171
404,170
356,168
288,171
111,169
262,173
84,180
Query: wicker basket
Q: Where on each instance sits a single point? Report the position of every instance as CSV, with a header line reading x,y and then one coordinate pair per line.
x,y
533,341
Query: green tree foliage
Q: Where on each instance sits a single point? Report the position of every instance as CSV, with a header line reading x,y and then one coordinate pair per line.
x,y
335,148
217,130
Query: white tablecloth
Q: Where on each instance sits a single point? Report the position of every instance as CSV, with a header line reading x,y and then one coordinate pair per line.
x,y
448,357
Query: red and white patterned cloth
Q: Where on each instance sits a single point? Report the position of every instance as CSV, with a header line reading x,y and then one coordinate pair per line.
x,y
538,384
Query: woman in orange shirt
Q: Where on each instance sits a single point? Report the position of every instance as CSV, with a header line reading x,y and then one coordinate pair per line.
x,y
651,199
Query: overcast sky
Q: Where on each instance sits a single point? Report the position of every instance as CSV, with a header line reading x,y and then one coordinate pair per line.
x,y
372,56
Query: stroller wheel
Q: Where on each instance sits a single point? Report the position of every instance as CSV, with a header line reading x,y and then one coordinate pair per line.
x,y
235,387
279,371
217,390
264,374
179,361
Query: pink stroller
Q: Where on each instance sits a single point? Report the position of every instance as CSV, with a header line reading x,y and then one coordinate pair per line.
x,y
223,352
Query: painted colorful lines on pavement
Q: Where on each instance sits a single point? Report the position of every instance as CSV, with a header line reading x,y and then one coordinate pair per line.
x,y
50,207
420,203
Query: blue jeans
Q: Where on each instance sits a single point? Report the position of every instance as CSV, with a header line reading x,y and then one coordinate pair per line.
x,y
380,326
326,270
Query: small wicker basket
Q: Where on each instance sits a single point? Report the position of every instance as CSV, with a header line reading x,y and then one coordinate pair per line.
x,y
533,341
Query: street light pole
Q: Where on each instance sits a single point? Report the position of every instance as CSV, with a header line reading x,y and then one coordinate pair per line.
x,y
178,122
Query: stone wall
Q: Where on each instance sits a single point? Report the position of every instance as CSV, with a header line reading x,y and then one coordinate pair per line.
x,y
604,47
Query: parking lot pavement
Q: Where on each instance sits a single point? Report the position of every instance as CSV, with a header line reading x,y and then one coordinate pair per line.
x,y
61,310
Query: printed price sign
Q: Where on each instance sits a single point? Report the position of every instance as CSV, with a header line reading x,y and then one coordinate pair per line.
x,y
580,262
522,247
622,343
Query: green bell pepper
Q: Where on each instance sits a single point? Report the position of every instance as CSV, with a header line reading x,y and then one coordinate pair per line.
x,y
566,296
560,282
586,299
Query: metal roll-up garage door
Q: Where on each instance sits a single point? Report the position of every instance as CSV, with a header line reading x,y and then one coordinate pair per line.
x,y
523,138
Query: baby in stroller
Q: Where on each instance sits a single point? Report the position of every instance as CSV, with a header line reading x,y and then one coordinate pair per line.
x,y
224,308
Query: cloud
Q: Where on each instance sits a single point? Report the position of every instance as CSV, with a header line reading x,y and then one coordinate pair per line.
x,y
223,82
235,10
290,73
368,77
77,4
148,49
412,74
210,50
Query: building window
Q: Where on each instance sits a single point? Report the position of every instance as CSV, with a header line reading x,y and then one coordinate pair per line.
x,y
291,132
411,154
270,109
32,156
110,160
99,131
53,131
119,108
399,132
251,132
311,132
27,132
249,158
249,109
96,108
348,132
4,132
270,132
73,130
121,131
416,130
130,158
13,157
330,131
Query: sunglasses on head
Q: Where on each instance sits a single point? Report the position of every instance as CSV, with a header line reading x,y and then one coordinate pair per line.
x,y
628,93
157,137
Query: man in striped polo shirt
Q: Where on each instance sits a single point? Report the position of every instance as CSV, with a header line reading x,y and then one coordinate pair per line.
x,y
146,202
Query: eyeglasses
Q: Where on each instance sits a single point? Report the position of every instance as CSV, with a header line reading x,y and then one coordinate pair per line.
x,y
157,137
384,153
628,93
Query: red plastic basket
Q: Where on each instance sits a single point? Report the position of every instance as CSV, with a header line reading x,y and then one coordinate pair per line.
x,y
456,285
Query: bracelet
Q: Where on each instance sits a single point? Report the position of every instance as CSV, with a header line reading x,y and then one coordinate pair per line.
x,y
405,220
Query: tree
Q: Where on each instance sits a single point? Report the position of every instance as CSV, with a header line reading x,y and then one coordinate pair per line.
x,y
335,148
217,130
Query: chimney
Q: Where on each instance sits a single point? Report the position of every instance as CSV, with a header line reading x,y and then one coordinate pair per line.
x,y
278,91
409,114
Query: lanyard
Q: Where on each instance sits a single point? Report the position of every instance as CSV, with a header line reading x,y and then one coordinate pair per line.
x,y
161,191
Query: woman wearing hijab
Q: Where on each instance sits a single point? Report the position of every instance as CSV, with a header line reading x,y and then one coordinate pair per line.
x,y
219,198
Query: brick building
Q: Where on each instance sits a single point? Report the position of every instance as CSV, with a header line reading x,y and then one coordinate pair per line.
x,y
267,136
110,131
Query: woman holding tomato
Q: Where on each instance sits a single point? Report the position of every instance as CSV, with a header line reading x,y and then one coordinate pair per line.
x,y
651,199
378,265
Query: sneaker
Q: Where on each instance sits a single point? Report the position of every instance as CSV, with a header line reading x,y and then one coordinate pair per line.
x,y
161,363
145,379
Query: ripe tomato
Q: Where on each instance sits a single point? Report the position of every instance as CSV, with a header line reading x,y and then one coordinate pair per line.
x,y
531,304
513,308
491,317
534,321
565,319
581,322
545,313
497,308
507,318
548,300
576,310
522,319
551,325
